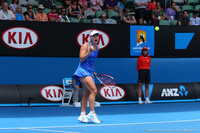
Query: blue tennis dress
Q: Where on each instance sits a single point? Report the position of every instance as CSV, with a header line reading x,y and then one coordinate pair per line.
x,y
86,68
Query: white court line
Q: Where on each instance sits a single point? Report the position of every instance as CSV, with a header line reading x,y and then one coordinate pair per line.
x,y
48,130
100,125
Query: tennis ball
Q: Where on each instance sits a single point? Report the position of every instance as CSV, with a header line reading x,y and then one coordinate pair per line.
x,y
157,28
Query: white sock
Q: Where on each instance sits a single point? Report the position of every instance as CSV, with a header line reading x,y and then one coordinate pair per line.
x,y
147,99
83,113
91,112
139,99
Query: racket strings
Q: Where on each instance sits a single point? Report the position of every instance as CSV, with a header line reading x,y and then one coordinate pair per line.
x,y
108,81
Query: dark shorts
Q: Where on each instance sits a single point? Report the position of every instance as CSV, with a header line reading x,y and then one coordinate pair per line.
x,y
144,75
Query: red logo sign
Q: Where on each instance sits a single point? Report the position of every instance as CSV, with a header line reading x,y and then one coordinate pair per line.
x,y
84,37
52,93
110,93
20,37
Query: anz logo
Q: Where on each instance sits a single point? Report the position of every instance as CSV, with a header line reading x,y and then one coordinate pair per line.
x,y
174,92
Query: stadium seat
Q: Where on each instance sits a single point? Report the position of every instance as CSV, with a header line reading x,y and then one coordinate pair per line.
x,y
58,3
73,20
98,13
174,22
164,22
95,20
33,2
193,2
85,20
9,1
178,7
23,3
89,14
114,15
35,9
179,2
197,7
148,1
188,8
111,21
190,15
24,9
47,10
130,4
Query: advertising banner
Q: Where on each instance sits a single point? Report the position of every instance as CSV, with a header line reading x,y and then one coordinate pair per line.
x,y
52,94
178,41
41,93
20,38
61,39
141,36
122,92
175,91
9,94
197,90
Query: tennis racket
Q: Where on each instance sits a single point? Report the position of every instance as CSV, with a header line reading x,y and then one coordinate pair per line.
x,y
106,80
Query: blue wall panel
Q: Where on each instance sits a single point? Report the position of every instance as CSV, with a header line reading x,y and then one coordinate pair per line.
x,y
51,70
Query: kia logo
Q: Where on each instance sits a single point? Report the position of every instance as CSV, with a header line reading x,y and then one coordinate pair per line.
x,y
84,36
112,93
52,93
20,37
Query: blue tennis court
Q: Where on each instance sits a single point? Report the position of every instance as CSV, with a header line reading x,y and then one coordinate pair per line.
x,y
127,118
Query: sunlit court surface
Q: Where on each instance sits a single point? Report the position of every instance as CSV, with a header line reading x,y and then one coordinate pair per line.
x,y
126,118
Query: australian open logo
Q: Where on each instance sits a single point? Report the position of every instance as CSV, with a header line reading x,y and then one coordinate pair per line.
x,y
182,91
141,37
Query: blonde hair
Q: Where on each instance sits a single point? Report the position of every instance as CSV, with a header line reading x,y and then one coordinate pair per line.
x,y
18,8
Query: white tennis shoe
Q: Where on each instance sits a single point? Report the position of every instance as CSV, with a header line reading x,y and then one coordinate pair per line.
x,y
83,118
148,102
140,102
93,118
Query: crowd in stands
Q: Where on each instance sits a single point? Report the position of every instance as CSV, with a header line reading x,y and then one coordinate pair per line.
x,y
138,12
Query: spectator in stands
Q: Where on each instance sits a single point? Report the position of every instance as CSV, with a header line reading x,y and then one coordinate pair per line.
x,y
128,18
41,16
112,5
96,4
158,14
1,3
6,14
103,19
53,16
83,5
63,16
152,5
13,5
29,15
75,10
140,8
186,2
66,4
171,12
184,19
18,14
140,21
194,19
57,6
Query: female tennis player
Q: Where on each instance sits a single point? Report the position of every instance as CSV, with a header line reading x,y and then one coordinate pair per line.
x,y
85,74
143,65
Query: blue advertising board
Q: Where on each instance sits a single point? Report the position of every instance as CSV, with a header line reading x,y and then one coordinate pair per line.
x,y
141,36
